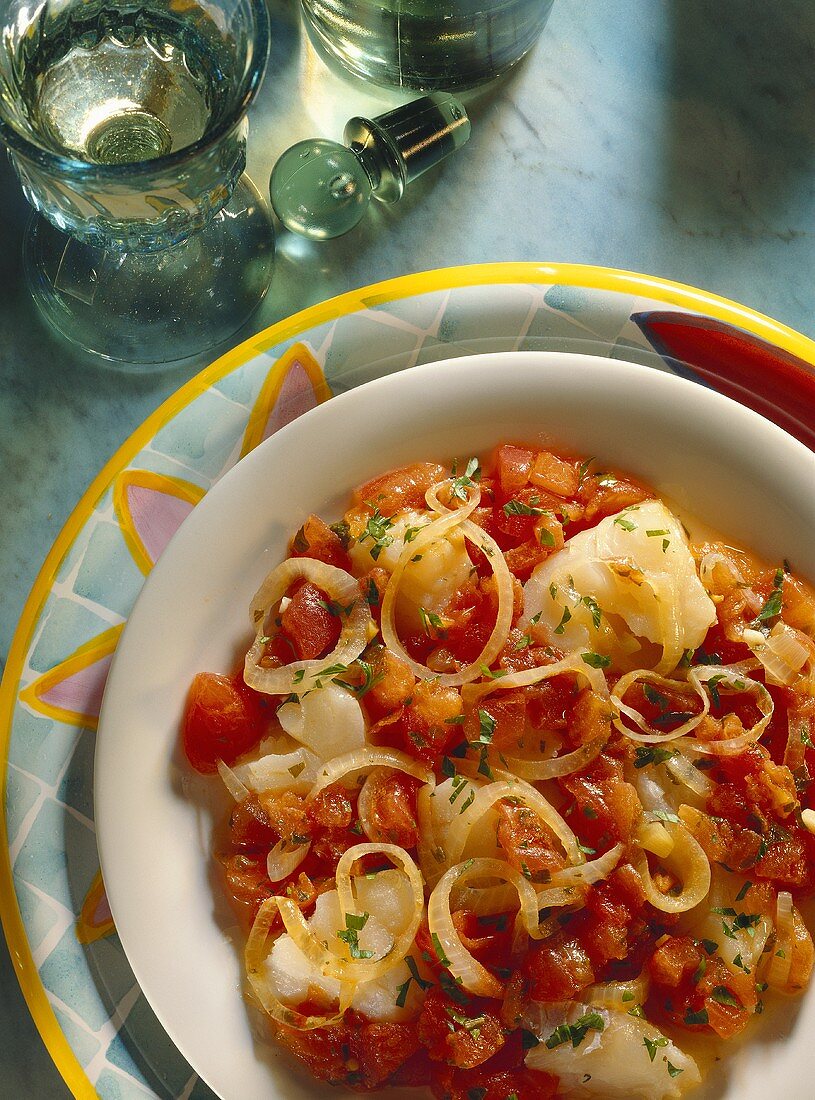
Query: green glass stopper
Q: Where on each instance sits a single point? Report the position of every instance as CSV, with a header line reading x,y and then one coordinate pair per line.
x,y
322,189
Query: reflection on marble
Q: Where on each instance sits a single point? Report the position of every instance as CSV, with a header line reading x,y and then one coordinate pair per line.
x,y
667,136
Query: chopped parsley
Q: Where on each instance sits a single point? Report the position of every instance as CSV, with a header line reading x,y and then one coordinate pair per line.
x,y
594,608
437,947
432,622
595,660
354,924
415,976
698,1019
575,1033
673,1070
722,995
370,679
528,1039
564,619
376,529
651,754
626,524
663,815
653,1045
583,471
468,480
773,603
520,508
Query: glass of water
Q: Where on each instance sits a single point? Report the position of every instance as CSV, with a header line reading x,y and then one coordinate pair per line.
x,y
125,122
425,44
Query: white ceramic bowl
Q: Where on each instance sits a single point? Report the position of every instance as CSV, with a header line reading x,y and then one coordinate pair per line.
x,y
713,458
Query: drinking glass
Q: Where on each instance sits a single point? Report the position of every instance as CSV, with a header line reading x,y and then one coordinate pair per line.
x,y
126,124
425,44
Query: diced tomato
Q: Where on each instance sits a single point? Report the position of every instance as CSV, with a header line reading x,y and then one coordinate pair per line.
x,y
557,968
311,622
393,682
549,703
472,616
530,846
608,807
513,466
451,1034
249,827
315,539
589,718
559,475
247,881
697,991
223,719
286,813
507,709
521,560
392,809
605,496
522,1084
487,938
427,724
331,809
356,1052
402,488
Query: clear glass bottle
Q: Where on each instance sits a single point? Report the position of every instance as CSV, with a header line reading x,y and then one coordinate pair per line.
x,y
426,44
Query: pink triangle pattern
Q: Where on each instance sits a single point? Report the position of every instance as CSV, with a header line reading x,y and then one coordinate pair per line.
x,y
156,517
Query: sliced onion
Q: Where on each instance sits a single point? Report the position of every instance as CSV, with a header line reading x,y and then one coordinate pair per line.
x,y
329,962
684,770
431,854
345,891
647,732
503,580
536,771
778,970
276,771
365,801
467,971
362,760
232,783
257,948
282,859
302,676
712,560
618,996
690,864
732,680
572,662
464,511
652,836
588,873
509,786
783,652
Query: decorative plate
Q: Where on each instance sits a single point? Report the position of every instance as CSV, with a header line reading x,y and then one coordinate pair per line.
x,y
88,1006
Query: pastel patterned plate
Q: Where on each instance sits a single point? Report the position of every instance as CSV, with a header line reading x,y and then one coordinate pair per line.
x,y
88,1006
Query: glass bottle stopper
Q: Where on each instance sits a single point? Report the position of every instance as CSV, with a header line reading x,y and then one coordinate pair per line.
x,y
322,189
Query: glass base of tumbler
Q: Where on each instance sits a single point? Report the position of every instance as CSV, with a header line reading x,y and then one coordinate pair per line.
x,y
148,308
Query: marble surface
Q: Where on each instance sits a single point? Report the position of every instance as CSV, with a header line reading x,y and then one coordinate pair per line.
x,y
667,136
